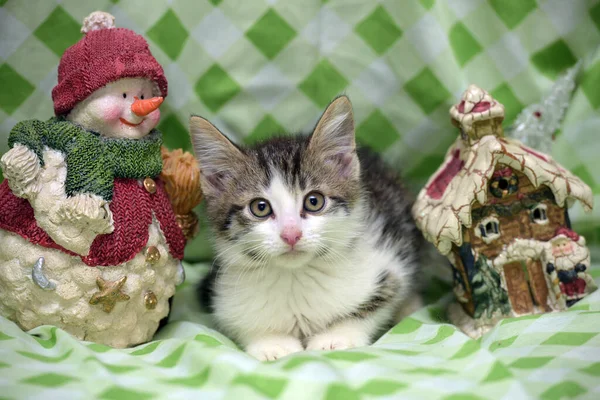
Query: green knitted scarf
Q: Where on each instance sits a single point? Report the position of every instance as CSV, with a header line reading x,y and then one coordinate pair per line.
x,y
93,161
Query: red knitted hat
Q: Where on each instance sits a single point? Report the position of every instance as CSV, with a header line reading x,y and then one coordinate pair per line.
x,y
105,54
563,230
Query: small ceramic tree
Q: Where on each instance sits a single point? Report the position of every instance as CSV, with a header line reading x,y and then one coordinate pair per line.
x,y
90,242
498,210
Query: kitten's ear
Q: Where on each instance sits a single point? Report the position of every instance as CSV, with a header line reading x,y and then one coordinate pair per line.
x,y
333,138
215,153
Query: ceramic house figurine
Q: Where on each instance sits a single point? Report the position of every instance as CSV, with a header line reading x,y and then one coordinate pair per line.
x,y
498,210
89,241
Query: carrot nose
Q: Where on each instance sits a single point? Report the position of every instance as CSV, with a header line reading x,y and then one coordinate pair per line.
x,y
141,108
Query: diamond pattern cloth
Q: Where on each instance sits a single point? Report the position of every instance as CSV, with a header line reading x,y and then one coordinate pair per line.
x,y
551,356
260,67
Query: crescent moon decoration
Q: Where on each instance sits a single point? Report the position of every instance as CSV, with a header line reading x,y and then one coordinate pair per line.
x,y
39,278
180,274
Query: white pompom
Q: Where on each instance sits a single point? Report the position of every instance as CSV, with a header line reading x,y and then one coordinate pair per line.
x,y
98,20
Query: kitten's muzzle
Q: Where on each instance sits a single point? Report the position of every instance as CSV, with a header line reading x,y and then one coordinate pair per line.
x,y
291,235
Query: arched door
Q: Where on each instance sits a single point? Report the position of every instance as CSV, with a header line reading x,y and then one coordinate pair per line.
x,y
526,286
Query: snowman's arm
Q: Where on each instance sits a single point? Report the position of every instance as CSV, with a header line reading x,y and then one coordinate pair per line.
x,y
31,135
21,168
71,221
75,222
21,165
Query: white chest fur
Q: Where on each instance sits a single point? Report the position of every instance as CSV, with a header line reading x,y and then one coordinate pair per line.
x,y
299,302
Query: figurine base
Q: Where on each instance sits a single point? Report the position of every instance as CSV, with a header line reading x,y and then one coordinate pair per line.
x,y
471,327
475,328
118,306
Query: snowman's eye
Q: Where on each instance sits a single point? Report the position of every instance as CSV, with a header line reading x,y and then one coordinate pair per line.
x,y
142,97
124,95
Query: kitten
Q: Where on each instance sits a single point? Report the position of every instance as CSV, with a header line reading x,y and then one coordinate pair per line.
x,y
316,248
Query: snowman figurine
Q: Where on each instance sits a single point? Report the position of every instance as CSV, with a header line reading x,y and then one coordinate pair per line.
x,y
88,239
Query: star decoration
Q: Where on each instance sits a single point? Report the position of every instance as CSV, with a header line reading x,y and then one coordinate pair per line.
x,y
109,294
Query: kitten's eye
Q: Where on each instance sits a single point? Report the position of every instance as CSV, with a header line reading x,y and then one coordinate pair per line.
x,y
314,202
124,95
260,208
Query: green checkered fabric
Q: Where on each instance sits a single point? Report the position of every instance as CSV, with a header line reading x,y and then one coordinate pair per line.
x,y
552,356
260,67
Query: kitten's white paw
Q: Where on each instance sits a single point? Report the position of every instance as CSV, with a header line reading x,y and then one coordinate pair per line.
x,y
273,347
337,341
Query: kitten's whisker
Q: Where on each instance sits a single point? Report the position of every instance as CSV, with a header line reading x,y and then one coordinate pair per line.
x,y
337,241
333,252
344,233
255,247
248,266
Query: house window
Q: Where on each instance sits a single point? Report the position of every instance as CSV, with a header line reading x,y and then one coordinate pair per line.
x,y
539,214
503,183
488,229
491,228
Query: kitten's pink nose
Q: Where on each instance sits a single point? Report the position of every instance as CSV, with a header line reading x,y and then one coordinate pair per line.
x,y
291,235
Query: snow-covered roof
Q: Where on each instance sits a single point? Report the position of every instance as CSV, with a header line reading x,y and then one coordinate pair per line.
x,y
476,105
443,207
